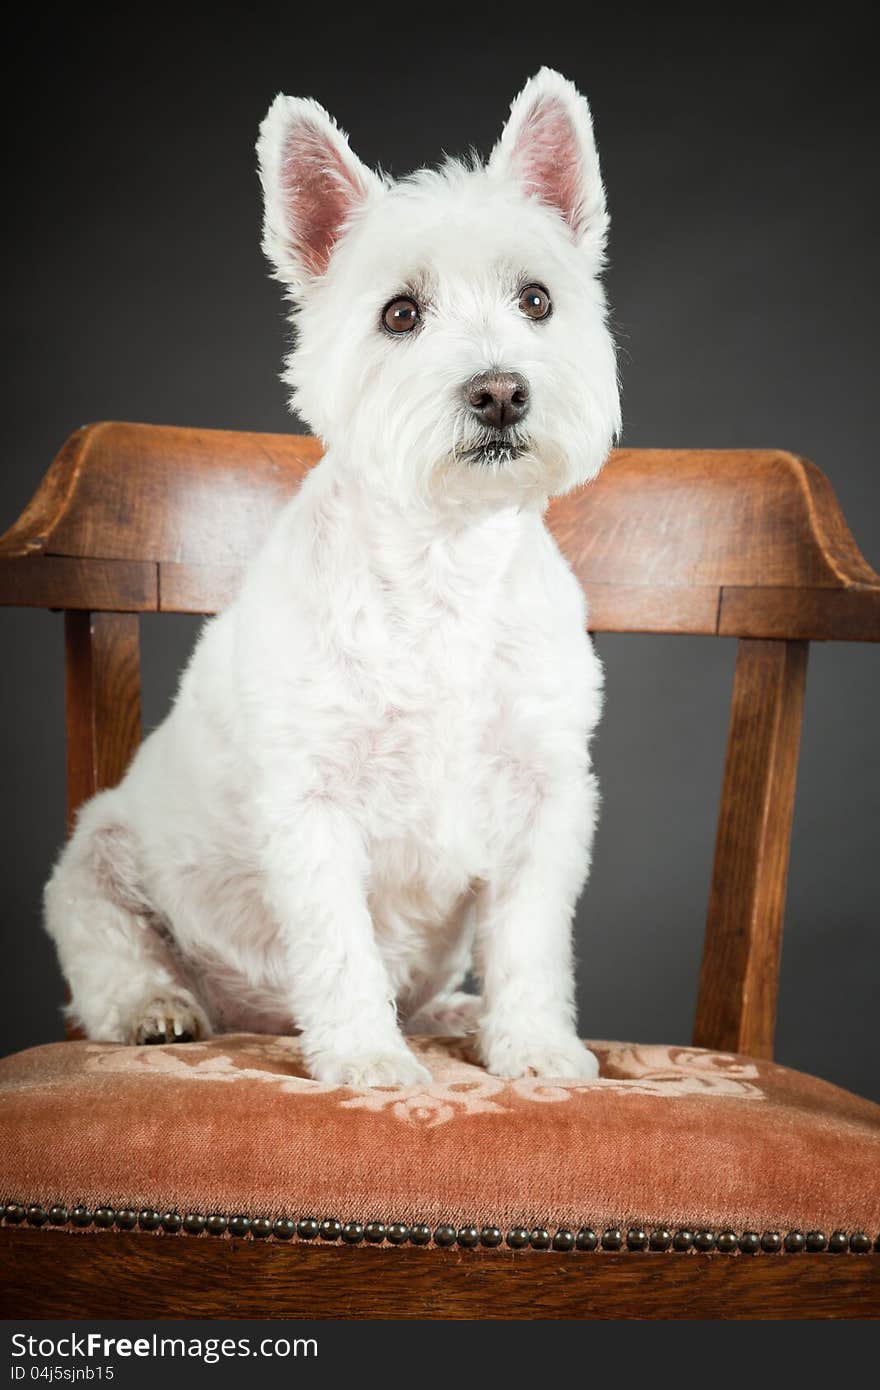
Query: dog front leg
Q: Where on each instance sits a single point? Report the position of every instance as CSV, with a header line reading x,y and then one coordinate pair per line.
x,y
340,994
524,946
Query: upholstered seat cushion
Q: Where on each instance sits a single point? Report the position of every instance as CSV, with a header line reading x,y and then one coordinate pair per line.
x,y
667,1137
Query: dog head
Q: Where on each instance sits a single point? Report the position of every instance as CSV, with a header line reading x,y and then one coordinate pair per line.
x,y
451,327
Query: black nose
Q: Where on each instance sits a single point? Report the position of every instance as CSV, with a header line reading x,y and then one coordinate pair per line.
x,y
498,398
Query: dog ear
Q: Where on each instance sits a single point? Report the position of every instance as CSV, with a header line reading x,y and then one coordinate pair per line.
x,y
548,147
312,185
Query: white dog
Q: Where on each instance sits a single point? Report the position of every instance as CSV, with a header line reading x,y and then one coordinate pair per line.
x,y
375,775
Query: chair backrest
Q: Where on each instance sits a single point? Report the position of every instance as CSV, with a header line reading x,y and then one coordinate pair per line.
x,y
738,543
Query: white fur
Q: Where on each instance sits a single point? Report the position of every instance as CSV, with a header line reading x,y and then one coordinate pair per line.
x,y
375,774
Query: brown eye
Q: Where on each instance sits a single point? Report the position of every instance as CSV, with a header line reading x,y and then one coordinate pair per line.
x,y
401,315
534,302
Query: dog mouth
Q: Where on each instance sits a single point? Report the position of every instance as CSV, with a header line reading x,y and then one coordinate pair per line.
x,y
494,452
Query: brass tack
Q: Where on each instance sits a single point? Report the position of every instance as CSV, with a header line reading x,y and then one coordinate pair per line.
x,y
661,1239
518,1238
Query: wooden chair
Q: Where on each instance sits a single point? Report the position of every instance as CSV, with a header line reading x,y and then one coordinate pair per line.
x,y
135,519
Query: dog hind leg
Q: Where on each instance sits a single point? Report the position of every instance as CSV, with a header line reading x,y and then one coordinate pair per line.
x,y
126,983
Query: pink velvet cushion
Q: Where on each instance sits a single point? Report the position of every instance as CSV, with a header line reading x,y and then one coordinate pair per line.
x,y
666,1137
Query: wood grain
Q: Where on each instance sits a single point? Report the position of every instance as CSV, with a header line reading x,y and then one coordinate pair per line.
x,y
708,517
155,492
54,581
659,608
823,615
120,1275
197,588
736,1004
102,700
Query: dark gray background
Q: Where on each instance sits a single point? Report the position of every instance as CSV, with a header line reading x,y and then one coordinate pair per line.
x,y
740,157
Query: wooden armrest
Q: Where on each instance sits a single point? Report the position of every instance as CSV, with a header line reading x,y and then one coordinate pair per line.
x,y
740,543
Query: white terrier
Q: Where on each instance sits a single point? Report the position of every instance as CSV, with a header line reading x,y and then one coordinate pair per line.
x,y
375,774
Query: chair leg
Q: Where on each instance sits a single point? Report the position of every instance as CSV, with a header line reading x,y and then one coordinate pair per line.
x,y
103,701
736,1007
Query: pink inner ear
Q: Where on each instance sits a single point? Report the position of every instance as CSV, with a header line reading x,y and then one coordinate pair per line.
x,y
548,160
320,191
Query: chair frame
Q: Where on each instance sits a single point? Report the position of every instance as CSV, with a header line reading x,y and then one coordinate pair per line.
x,y
749,544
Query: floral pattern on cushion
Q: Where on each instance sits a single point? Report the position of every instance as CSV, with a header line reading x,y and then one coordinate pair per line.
x,y
460,1087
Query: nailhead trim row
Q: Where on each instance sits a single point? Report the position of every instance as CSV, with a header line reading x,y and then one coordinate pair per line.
x,y
308,1228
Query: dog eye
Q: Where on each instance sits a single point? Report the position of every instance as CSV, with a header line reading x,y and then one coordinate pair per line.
x,y
401,315
534,302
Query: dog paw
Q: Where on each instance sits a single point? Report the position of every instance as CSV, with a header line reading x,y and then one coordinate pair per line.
x,y
561,1058
453,1016
392,1069
169,1018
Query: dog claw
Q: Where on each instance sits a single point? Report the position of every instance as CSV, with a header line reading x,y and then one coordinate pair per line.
x,y
563,1058
392,1070
169,1021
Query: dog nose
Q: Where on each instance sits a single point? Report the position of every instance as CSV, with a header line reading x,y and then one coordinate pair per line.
x,y
498,398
